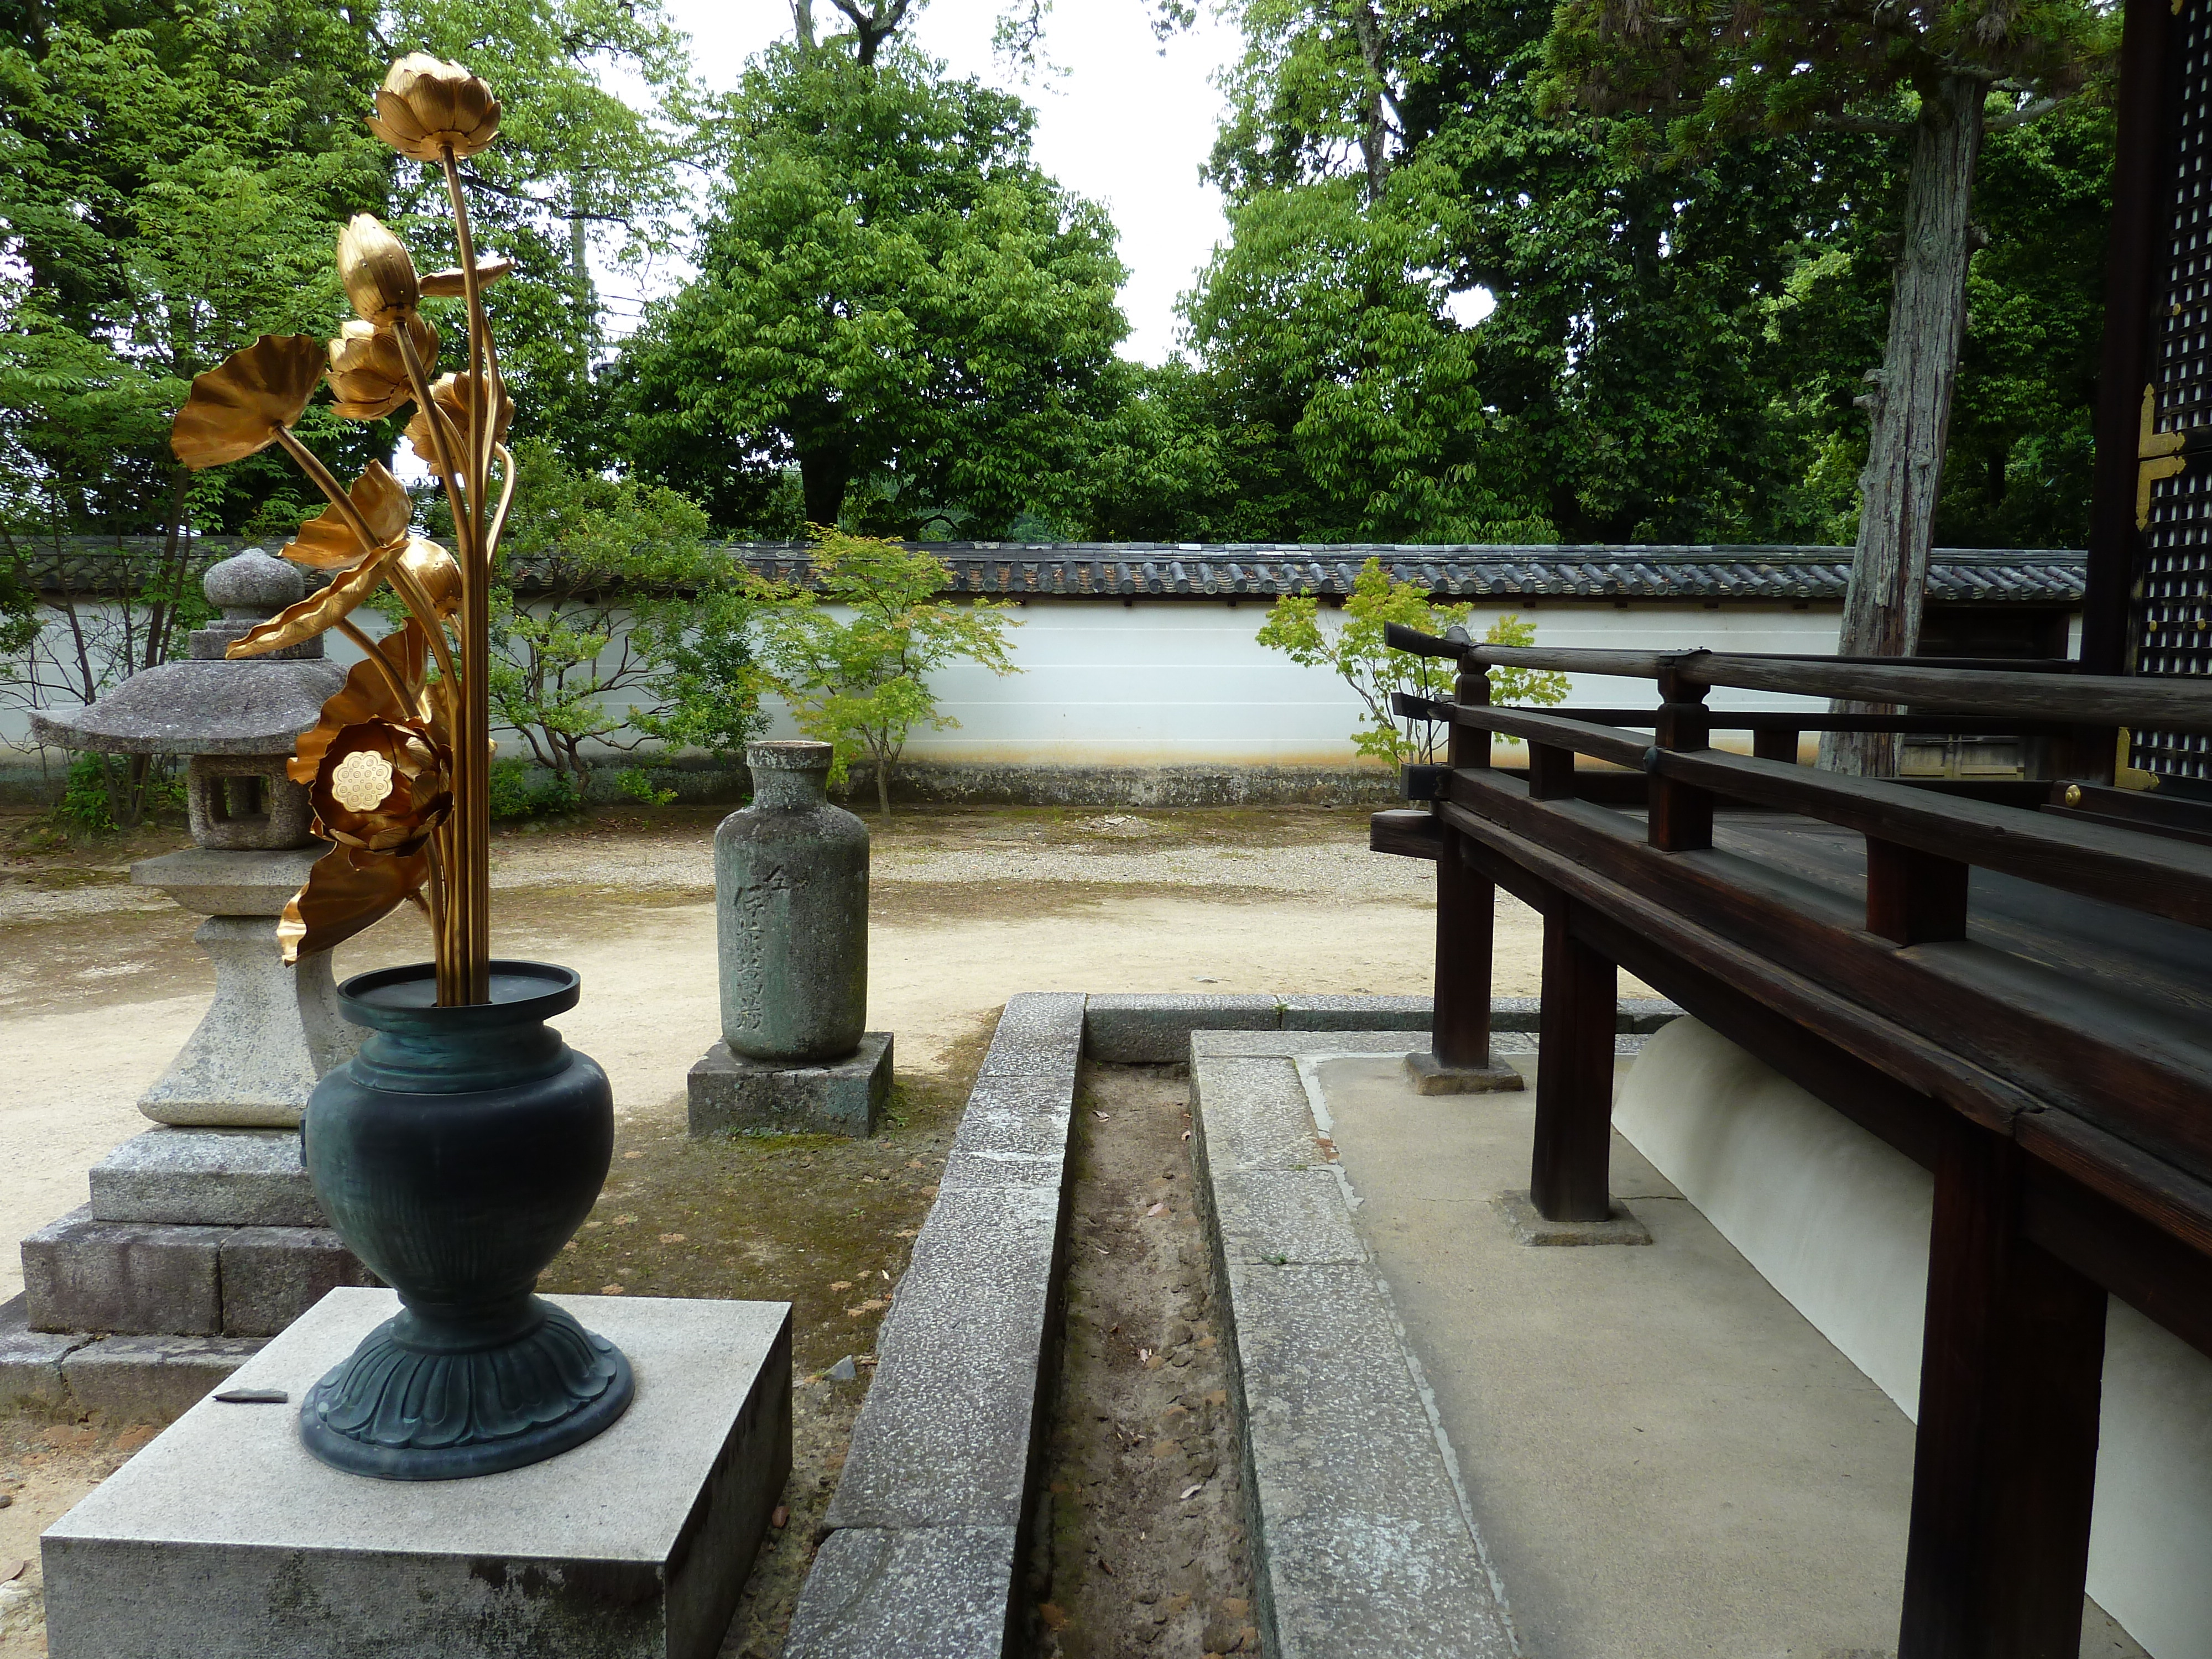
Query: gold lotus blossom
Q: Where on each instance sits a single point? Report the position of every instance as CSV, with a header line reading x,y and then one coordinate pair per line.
x,y
452,283
367,696
427,106
378,271
237,409
450,393
325,610
368,375
382,786
348,890
329,541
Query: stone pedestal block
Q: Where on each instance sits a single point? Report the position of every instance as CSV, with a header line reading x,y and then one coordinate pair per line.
x,y
150,1278
842,1098
207,1178
224,1540
1433,1076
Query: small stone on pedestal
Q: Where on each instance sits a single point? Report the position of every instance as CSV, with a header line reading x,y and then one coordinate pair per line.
x,y
224,1539
791,903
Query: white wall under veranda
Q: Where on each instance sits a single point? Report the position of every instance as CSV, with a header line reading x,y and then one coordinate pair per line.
x,y
1182,681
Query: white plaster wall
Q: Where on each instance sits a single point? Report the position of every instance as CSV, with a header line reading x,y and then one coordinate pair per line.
x,y
1838,1222
1182,681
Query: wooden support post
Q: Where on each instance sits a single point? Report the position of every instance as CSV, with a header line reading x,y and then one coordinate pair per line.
x,y
1551,771
1568,1178
1911,897
1775,744
1460,1062
2005,1456
1681,815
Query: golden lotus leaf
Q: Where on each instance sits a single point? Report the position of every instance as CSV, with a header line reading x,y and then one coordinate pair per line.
x,y
452,283
450,393
348,890
427,106
378,271
237,409
367,696
412,786
329,542
368,373
318,611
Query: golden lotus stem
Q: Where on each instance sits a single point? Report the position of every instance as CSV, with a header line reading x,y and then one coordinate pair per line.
x,y
472,817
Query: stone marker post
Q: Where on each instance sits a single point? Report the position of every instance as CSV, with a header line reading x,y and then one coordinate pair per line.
x,y
791,897
206,1227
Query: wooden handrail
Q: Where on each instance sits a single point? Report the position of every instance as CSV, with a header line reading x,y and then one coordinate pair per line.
x,y
1783,720
2080,699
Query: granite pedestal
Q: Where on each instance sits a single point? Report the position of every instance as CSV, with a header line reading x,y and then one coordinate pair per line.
x,y
224,1540
842,1098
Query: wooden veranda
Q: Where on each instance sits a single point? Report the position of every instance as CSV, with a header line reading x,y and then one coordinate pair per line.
x,y
2012,986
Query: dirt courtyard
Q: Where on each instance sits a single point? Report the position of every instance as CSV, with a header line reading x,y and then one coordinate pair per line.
x,y
100,983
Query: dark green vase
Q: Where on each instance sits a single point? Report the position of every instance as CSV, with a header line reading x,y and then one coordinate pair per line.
x,y
456,1154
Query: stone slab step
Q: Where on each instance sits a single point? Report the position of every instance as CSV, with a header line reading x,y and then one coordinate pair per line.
x,y
207,1178
150,1278
131,1379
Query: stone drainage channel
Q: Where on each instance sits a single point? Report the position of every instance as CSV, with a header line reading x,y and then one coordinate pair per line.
x,y
1138,1323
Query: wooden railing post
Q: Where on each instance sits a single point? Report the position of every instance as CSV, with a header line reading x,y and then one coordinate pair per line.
x,y
1911,897
1551,771
2005,1455
1568,1174
1682,815
1458,1061
1776,744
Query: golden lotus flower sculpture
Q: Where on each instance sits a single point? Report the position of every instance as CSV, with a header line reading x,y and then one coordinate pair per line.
x,y
427,109
368,371
398,767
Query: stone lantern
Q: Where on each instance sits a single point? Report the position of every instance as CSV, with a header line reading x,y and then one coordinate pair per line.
x,y
206,1226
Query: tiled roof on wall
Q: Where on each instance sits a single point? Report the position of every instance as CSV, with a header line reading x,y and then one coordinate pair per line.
x,y
1106,570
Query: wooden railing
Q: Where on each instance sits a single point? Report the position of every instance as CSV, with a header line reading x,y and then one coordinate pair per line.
x,y
2066,1112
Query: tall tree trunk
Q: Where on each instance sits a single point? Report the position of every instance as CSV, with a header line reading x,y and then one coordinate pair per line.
x,y
823,476
1375,131
802,23
1911,402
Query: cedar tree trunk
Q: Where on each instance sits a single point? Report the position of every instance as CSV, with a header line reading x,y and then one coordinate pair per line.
x,y
1911,402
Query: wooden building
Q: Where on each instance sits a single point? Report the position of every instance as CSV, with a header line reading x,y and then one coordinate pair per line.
x,y
2010,984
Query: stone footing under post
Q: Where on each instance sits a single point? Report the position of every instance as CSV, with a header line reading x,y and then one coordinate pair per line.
x,y
844,1097
1433,1076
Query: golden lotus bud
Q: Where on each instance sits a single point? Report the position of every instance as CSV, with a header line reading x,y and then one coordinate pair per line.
x,y
433,571
427,106
237,409
368,373
452,283
450,393
378,273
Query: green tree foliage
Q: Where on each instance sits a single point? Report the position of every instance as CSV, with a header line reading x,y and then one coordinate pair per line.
x,y
853,658
1674,354
629,626
1353,649
892,296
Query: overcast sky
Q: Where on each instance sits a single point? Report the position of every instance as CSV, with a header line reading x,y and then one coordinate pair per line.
x,y
1128,125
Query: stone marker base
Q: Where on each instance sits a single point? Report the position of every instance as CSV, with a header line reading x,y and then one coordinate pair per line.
x,y
1432,1077
224,1540
207,1177
133,1379
764,1096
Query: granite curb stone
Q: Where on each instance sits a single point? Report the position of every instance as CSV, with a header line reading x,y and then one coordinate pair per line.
x,y
1363,1548
924,1593
1344,1013
939,1481
1155,1030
